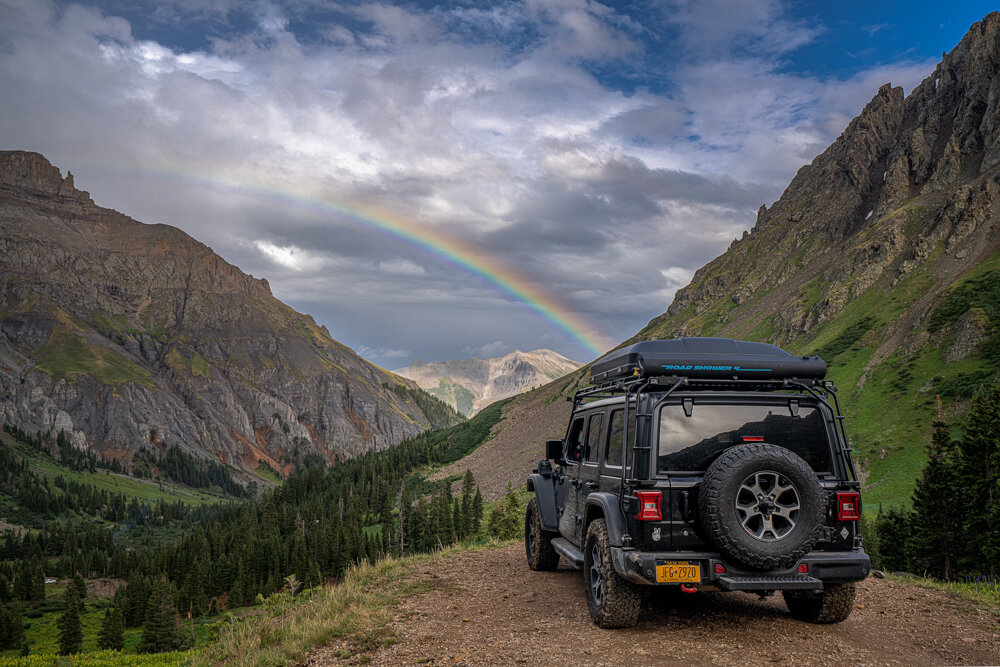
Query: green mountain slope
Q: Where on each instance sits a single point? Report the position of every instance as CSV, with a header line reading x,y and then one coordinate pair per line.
x,y
883,257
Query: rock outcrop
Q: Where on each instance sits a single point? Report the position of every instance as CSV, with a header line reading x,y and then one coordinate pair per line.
x,y
127,335
906,175
472,384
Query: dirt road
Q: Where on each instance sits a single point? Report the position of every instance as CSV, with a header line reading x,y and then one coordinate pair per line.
x,y
488,608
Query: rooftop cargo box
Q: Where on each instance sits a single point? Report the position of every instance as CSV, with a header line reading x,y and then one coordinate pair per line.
x,y
705,358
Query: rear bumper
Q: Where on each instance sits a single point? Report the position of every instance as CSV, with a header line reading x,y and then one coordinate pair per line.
x,y
822,567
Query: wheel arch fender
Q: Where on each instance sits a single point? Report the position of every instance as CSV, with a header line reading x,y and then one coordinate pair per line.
x,y
545,495
605,506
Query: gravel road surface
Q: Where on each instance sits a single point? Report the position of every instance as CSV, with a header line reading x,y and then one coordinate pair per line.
x,y
487,608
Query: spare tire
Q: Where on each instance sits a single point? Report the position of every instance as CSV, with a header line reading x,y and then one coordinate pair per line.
x,y
761,505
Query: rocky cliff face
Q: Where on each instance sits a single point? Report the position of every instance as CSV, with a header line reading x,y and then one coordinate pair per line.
x,y
881,255
127,335
472,384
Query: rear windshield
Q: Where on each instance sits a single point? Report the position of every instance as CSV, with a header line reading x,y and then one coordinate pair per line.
x,y
692,443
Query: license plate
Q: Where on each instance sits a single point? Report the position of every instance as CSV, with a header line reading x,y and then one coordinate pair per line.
x,y
678,572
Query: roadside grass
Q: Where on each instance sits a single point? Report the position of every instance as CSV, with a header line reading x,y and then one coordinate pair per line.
x,y
982,594
101,659
357,610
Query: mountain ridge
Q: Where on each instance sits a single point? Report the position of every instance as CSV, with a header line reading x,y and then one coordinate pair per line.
x,y
130,336
469,385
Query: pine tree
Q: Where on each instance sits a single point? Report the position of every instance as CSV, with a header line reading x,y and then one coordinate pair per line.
x,y
979,479
22,581
300,559
893,527
193,595
70,630
238,590
112,634
136,597
505,519
405,511
477,513
428,533
468,482
445,524
935,538
162,630
12,626
313,577
79,586
38,581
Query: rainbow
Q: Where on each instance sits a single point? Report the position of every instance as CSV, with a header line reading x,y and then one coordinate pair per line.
x,y
452,249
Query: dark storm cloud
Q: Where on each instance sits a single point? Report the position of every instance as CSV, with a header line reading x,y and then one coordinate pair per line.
x,y
541,131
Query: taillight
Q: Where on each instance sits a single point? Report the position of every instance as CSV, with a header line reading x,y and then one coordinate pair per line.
x,y
753,438
649,506
848,506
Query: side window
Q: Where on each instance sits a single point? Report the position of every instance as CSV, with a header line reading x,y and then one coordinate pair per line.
x,y
594,434
574,441
616,431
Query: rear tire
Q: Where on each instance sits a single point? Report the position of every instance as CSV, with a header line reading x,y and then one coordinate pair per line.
x,y
833,605
538,542
788,522
613,601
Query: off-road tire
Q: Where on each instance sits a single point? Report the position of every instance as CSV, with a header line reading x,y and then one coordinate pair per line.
x,y
717,506
619,600
538,542
833,605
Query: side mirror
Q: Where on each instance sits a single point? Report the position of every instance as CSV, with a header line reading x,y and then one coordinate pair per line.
x,y
554,450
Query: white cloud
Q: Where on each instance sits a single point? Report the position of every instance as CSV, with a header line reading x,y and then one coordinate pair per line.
x,y
289,256
486,122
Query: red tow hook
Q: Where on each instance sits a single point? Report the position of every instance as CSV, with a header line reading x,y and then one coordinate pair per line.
x,y
688,589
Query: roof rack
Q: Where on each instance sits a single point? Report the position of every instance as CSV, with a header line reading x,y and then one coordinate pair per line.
x,y
705,359
662,383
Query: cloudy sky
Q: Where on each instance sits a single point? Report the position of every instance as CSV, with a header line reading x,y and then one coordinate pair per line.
x,y
374,160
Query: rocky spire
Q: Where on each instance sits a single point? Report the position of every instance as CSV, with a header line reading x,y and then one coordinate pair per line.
x,y
32,172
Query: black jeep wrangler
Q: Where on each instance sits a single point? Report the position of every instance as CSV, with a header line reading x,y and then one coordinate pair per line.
x,y
735,475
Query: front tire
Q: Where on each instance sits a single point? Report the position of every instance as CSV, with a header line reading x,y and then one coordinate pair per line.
x,y
613,601
538,542
833,605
